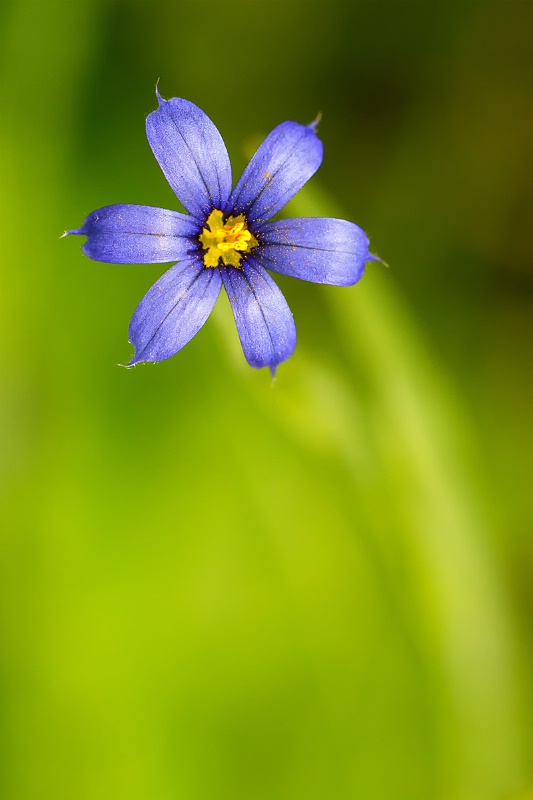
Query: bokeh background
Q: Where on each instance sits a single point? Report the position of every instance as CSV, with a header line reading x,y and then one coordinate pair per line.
x,y
218,586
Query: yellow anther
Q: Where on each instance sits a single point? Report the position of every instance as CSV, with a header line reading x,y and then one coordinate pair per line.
x,y
227,241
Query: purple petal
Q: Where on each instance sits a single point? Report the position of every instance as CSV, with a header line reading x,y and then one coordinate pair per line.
x,y
264,320
192,155
317,249
128,234
173,311
286,160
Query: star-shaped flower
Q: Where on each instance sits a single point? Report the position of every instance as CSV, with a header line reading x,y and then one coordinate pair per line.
x,y
226,238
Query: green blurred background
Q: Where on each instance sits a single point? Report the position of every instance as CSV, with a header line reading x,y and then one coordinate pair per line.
x,y
214,586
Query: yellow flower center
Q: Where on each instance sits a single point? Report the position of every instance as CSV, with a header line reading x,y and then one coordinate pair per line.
x,y
228,240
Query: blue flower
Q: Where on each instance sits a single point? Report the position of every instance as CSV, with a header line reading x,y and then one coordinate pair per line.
x,y
226,238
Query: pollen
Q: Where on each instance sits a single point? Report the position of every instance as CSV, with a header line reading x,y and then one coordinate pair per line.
x,y
226,242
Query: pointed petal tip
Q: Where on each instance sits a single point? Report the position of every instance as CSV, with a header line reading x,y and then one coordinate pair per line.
x,y
160,99
75,231
372,257
315,123
137,359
